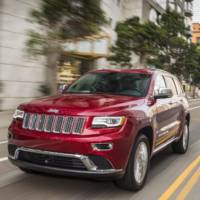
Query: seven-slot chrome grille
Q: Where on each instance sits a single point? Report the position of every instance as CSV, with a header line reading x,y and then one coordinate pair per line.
x,y
53,123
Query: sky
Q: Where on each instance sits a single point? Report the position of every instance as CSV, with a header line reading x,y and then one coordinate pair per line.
x,y
196,11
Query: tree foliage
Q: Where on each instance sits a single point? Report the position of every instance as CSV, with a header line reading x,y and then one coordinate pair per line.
x,y
57,21
134,37
165,44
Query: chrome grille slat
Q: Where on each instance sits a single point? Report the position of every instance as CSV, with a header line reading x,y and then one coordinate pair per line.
x,y
41,123
33,121
49,122
53,123
79,125
68,125
37,121
30,121
58,125
26,120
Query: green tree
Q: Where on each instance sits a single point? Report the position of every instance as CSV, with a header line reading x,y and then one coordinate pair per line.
x,y
134,37
165,44
59,21
193,65
173,43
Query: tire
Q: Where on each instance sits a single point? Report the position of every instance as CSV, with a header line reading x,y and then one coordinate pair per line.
x,y
181,146
130,181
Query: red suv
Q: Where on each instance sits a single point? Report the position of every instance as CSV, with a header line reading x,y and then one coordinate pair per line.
x,y
109,123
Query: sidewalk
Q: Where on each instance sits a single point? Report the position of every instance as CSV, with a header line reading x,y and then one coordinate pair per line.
x,y
193,100
5,118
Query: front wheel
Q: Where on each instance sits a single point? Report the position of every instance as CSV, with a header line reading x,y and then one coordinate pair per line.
x,y
182,145
137,169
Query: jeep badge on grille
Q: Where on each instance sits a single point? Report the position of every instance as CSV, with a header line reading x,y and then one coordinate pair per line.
x,y
53,111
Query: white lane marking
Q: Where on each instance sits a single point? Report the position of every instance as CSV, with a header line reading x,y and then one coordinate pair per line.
x,y
4,142
3,159
194,108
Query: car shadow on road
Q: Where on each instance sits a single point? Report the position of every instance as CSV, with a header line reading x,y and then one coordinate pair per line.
x,y
160,162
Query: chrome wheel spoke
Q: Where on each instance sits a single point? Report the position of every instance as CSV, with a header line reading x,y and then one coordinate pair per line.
x,y
185,137
141,162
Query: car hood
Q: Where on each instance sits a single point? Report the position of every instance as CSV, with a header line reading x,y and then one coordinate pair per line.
x,y
82,103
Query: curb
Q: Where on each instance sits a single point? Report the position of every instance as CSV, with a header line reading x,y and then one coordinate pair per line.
x,y
192,100
7,111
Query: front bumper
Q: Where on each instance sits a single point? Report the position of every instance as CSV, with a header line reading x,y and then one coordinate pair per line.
x,y
94,162
45,161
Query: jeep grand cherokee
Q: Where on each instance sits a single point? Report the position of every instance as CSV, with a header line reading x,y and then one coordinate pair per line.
x,y
109,123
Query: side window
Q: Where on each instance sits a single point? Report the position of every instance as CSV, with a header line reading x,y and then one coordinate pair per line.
x,y
170,84
159,83
178,86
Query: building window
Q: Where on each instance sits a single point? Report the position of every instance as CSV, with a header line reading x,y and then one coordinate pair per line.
x,y
188,6
179,10
172,5
153,16
118,2
162,3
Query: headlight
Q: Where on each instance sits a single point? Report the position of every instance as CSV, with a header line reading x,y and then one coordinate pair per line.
x,y
19,114
110,122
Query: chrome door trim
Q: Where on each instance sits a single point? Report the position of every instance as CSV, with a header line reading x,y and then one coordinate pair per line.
x,y
165,130
162,146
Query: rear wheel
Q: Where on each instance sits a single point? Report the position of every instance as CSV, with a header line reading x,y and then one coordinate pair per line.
x,y
137,169
182,145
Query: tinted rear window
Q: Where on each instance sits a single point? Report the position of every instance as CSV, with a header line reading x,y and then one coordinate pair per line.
x,y
170,84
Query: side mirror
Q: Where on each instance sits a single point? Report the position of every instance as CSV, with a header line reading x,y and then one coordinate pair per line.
x,y
62,88
163,93
65,88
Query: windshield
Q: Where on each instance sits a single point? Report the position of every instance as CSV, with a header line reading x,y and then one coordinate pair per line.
x,y
115,83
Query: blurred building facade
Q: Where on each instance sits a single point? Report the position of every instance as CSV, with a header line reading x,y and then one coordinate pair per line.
x,y
20,76
145,10
95,49
196,33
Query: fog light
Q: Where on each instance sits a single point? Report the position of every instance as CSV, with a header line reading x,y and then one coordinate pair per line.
x,y
102,146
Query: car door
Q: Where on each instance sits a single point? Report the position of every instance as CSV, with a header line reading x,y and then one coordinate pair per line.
x,y
165,111
181,101
174,121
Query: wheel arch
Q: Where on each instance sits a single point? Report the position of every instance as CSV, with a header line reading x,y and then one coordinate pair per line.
x,y
148,132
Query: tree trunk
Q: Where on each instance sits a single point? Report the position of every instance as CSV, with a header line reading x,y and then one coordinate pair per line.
x,y
51,72
142,59
194,92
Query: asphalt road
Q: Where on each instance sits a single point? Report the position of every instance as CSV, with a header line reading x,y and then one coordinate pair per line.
x,y
171,177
